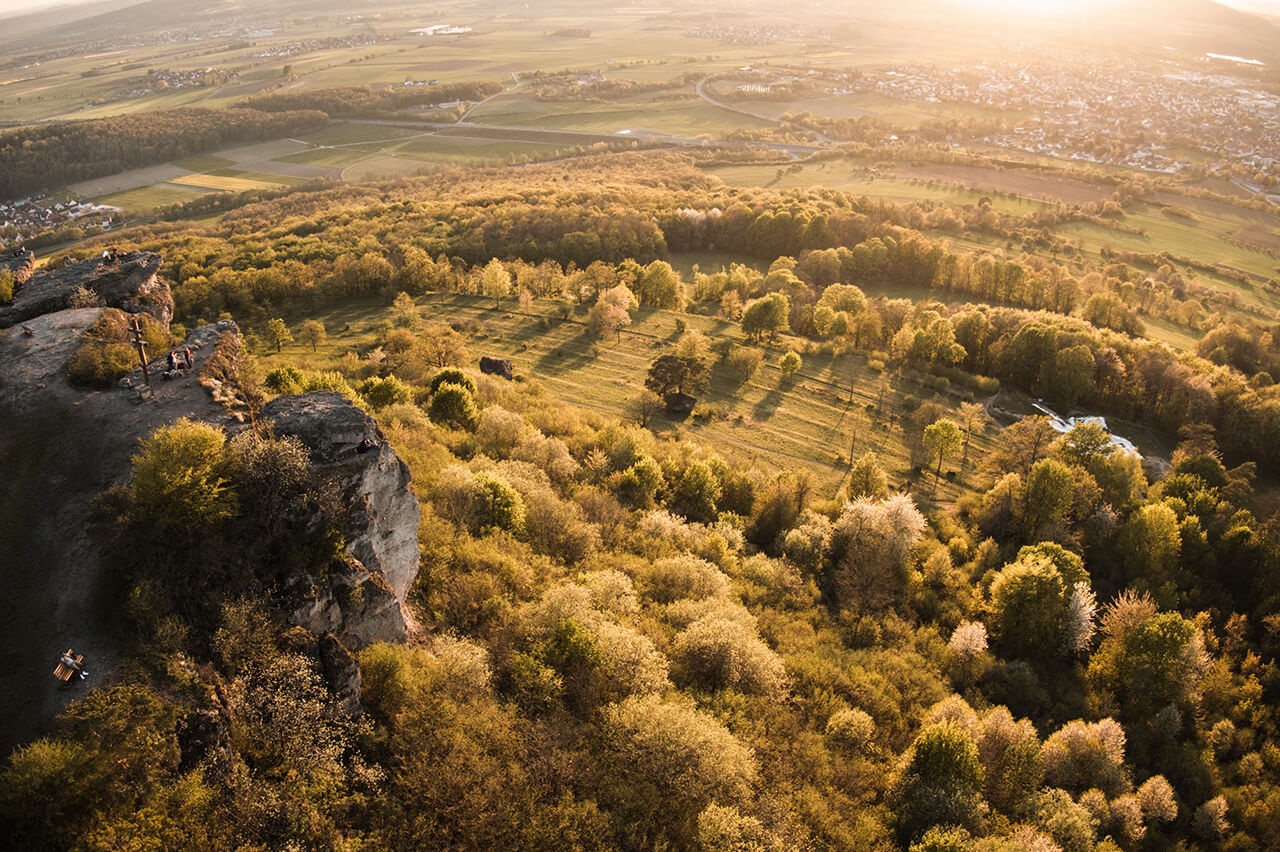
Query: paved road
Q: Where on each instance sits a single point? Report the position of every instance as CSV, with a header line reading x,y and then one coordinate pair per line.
x,y
586,137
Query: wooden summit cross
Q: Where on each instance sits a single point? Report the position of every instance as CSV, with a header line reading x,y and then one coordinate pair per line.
x,y
142,354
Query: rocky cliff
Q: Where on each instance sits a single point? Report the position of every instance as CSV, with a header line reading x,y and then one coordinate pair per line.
x,y
61,446
19,263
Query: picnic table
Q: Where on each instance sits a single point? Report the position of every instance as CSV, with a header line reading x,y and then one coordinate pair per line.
x,y
64,671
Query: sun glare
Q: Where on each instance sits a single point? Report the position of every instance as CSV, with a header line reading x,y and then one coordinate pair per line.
x,y
1037,8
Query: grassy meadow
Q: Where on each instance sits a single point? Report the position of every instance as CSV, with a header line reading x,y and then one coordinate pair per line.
x,y
809,420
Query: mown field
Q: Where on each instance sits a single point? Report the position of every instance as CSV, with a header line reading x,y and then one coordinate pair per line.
x,y
808,421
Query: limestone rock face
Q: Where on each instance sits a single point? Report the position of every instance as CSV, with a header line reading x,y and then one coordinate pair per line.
x,y
376,486
353,603
130,283
62,446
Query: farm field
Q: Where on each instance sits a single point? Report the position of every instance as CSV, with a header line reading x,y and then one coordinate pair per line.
x,y
806,421
147,198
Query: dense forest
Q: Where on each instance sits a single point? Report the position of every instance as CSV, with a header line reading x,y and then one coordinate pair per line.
x,y
40,156
637,642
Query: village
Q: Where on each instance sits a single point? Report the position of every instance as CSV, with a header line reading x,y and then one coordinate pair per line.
x,y
1120,114
25,218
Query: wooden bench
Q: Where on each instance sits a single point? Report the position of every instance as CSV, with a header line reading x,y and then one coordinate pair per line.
x,y
64,671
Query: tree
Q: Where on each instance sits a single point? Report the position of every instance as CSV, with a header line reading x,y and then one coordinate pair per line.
x,y
1073,370
644,405
278,333
495,281
790,364
766,316
941,438
696,494
659,286
611,312
181,477
939,783
1029,607
404,311
867,478
313,333
971,414
671,373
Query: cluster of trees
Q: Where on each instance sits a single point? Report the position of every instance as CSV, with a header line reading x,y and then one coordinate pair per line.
x,y
35,158
558,234
367,101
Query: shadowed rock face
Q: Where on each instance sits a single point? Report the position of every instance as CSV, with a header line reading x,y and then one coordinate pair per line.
x,y
130,283
375,484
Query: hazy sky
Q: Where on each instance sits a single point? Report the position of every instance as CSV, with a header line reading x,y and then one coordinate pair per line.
x,y
9,7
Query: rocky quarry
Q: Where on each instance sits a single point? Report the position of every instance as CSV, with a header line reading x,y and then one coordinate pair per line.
x,y
61,446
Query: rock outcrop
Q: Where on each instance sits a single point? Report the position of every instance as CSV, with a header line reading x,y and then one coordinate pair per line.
x,y
131,283
383,533
61,447
20,264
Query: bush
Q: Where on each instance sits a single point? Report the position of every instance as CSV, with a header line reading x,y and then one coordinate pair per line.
x,y
851,729
453,405
496,505
286,379
744,362
453,376
180,478
381,392
716,653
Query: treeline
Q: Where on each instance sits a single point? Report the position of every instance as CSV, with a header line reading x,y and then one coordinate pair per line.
x,y
36,158
369,102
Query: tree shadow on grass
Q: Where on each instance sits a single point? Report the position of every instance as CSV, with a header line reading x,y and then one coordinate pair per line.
x,y
568,355
767,406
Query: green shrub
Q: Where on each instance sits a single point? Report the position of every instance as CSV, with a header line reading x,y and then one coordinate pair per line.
x,y
453,376
381,392
180,478
453,405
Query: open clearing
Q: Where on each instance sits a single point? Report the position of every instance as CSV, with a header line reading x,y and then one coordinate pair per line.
x,y
807,421
147,198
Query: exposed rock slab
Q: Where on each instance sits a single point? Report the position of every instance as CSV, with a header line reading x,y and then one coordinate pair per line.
x,y
131,283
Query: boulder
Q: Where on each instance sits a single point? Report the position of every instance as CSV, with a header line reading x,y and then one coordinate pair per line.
x,y
497,367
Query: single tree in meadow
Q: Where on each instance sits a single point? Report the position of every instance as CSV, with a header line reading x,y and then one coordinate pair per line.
x,y
312,332
278,333
495,281
941,438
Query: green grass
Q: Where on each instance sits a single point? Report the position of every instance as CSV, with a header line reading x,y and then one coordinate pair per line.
x,y
205,163
803,423
148,198
853,178
688,115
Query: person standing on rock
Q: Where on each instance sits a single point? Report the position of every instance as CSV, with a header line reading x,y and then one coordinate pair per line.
x,y
186,357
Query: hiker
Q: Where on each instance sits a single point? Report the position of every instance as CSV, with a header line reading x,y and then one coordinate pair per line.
x,y
173,361
186,357
366,445
70,662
